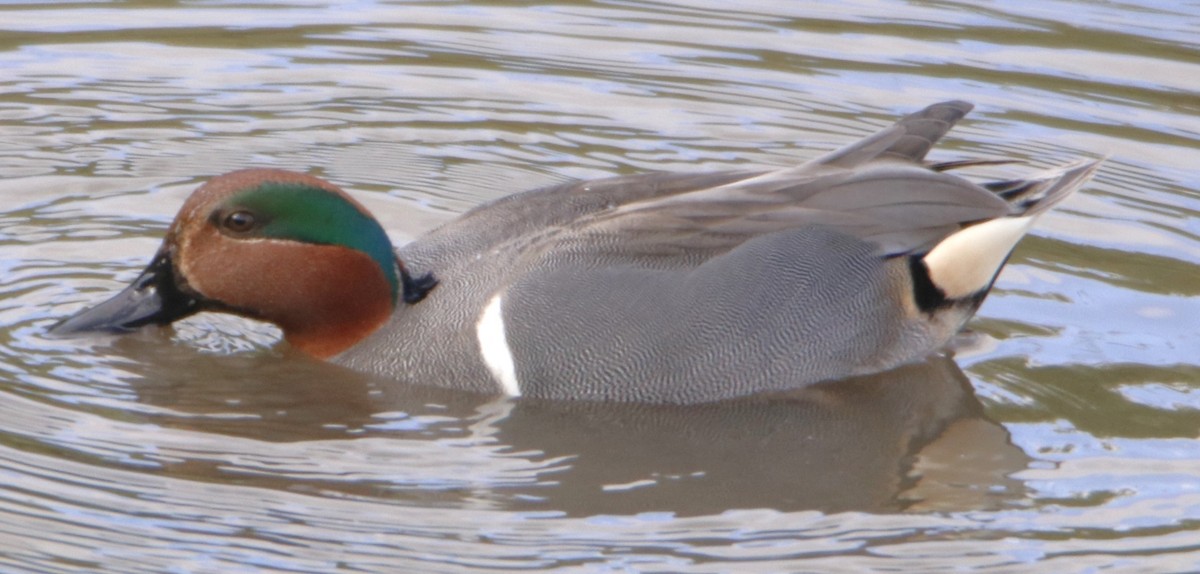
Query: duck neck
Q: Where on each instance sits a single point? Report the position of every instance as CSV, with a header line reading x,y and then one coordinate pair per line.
x,y
331,331
352,303
364,304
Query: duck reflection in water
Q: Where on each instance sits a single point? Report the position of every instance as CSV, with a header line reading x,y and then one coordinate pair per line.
x,y
911,439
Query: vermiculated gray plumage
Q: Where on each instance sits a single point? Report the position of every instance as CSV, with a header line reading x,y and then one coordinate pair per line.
x,y
689,288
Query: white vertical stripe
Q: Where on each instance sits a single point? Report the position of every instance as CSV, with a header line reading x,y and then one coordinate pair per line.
x,y
493,346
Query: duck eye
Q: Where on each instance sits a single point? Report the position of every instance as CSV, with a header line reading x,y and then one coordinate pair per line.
x,y
239,221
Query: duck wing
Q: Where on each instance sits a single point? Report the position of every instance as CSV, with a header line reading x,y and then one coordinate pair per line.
x,y
876,189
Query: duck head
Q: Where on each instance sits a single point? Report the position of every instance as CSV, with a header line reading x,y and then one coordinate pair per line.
x,y
272,245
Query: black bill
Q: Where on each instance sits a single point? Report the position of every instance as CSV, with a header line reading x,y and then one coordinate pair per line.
x,y
154,298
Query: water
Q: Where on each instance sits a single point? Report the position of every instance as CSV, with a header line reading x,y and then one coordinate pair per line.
x,y
1061,438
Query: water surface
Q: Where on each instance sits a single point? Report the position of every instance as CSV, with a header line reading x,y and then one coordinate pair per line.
x,y
1061,437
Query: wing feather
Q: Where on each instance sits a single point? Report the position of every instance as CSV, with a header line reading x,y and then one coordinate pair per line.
x,y
878,189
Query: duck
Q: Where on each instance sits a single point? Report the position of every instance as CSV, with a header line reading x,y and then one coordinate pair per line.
x,y
653,288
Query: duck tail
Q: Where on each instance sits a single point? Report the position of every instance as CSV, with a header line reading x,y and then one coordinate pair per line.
x,y
964,264
908,140
1035,195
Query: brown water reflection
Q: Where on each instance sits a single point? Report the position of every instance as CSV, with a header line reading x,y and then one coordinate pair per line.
x,y
869,444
